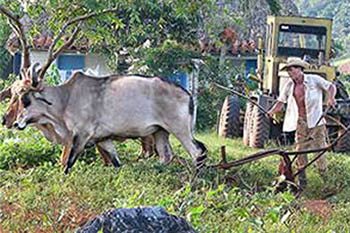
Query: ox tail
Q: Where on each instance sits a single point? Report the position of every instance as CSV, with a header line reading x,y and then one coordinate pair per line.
x,y
201,159
193,114
202,155
191,106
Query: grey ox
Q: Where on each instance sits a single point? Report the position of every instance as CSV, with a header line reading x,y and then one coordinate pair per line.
x,y
92,110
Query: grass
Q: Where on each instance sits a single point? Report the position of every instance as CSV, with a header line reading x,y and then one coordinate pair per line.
x,y
38,197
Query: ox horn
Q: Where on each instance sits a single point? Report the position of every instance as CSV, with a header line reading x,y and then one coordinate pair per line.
x,y
34,74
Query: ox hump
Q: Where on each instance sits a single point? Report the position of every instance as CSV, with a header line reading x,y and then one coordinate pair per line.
x,y
165,87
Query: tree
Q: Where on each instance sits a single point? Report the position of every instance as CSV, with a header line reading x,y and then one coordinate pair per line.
x,y
151,37
4,54
127,29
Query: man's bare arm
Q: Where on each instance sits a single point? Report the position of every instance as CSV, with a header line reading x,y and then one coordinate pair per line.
x,y
332,90
277,107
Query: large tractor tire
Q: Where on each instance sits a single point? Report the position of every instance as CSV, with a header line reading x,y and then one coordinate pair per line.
x,y
247,125
342,109
341,90
229,125
260,128
343,145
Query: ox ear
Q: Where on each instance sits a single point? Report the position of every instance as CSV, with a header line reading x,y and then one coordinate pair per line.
x,y
34,74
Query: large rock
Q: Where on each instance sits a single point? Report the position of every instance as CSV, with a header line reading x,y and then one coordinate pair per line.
x,y
147,219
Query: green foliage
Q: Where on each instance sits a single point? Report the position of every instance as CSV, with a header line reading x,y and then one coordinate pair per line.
x,y
127,28
25,150
210,99
345,79
274,5
42,198
148,37
216,17
169,26
165,59
336,10
7,82
52,76
5,61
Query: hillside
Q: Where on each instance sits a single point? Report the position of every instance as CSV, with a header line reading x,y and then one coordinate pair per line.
x,y
338,10
253,14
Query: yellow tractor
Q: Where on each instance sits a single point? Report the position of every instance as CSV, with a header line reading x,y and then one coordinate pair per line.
x,y
289,36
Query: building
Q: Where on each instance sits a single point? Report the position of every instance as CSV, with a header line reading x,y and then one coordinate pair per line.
x,y
76,57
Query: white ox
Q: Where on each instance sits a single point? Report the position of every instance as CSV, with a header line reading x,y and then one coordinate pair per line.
x,y
88,110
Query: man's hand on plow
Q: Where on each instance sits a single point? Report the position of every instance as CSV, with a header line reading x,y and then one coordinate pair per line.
x,y
285,166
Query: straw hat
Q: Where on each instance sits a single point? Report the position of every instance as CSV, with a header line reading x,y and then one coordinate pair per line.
x,y
295,61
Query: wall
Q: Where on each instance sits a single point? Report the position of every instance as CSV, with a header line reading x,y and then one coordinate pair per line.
x,y
93,64
97,63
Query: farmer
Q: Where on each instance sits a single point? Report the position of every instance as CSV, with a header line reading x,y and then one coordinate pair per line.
x,y
303,94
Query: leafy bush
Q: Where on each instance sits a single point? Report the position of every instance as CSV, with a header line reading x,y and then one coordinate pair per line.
x,y
164,60
5,61
345,79
4,83
25,149
210,98
52,76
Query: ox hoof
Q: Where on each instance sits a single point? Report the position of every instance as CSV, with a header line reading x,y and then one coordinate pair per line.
x,y
116,163
166,160
66,170
145,154
116,167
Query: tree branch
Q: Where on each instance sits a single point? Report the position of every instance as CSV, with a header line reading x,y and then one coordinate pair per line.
x,y
16,26
53,55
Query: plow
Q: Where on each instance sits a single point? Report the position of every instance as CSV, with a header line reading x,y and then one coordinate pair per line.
x,y
288,157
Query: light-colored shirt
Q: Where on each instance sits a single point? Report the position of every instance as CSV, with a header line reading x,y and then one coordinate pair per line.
x,y
314,87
